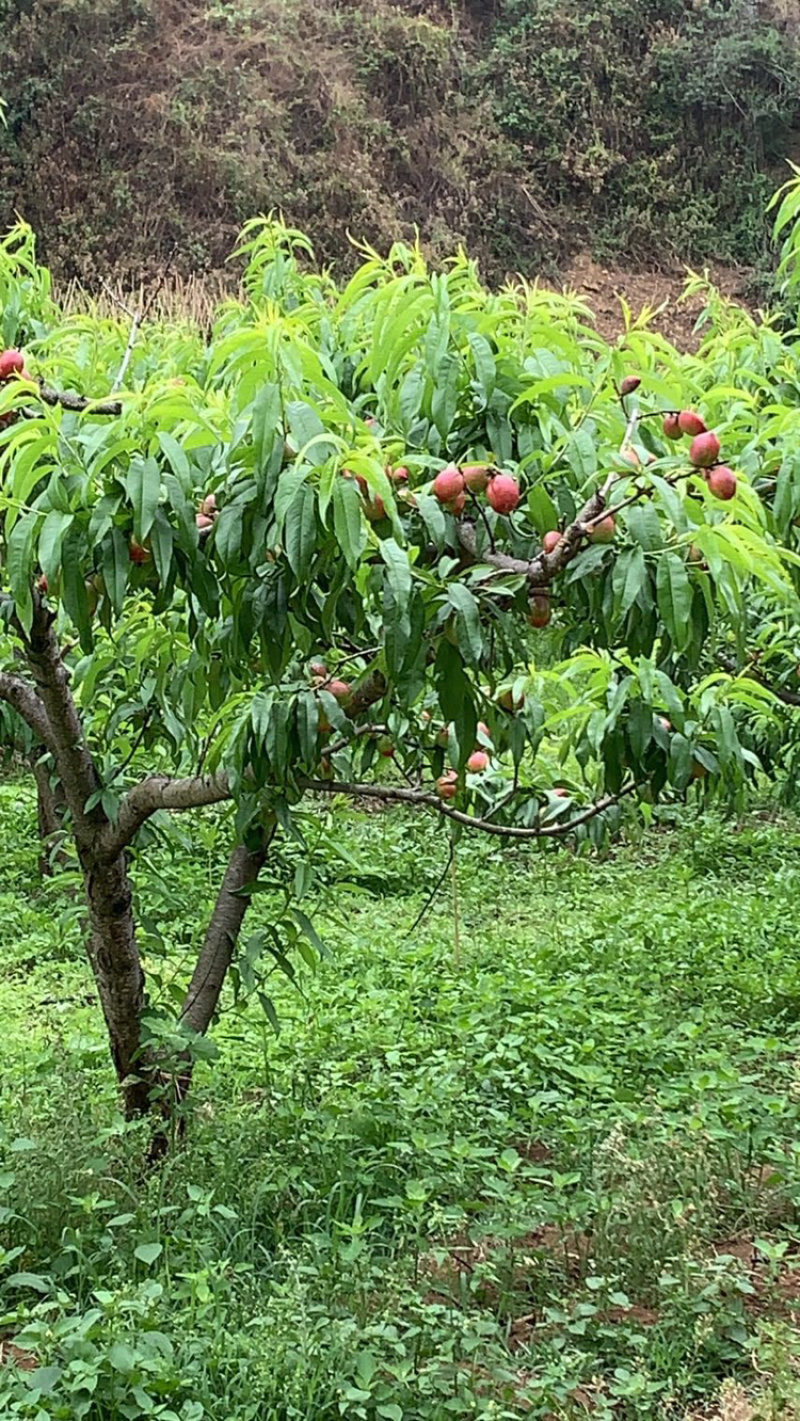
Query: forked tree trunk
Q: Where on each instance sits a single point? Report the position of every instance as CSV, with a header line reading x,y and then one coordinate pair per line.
x,y
149,1081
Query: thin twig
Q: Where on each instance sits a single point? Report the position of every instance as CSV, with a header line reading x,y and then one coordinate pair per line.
x,y
128,354
434,893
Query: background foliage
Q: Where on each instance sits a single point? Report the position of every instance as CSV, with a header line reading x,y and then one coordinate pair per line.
x,y
524,128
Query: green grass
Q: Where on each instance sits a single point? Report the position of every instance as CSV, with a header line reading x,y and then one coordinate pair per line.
x,y
556,1168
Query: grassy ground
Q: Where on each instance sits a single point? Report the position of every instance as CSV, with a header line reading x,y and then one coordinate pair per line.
x,y
549,1170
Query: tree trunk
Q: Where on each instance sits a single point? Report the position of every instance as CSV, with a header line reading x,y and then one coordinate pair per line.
x,y
113,952
218,948
50,807
148,1080
119,976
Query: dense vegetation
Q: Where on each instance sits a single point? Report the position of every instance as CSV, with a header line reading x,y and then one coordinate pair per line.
x,y
556,1172
138,129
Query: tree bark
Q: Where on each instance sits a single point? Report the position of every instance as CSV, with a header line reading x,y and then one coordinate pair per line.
x,y
112,948
119,976
50,807
208,979
218,948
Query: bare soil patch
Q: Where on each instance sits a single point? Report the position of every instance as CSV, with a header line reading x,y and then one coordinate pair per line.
x,y
604,288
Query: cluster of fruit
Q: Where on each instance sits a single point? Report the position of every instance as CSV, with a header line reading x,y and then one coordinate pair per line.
x,y
452,485
703,451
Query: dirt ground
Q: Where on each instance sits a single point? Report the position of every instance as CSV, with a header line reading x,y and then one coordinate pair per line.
x,y
602,286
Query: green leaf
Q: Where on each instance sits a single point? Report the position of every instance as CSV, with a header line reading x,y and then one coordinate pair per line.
x,y
581,453
177,457
348,520
300,531
116,568
451,681
307,927
680,761
430,511
445,395
49,548
468,627
674,596
144,489
644,526
76,597
398,570
277,737
227,535
307,428
630,572
19,563
308,726
44,1379
289,484
485,368
34,1281
121,1357
261,714
266,420
268,1008
541,509
161,543
147,1253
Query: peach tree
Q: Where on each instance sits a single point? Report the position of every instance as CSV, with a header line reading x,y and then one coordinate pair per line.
x,y
402,539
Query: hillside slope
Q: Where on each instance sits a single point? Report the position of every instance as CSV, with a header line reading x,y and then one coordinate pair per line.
x,y
648,129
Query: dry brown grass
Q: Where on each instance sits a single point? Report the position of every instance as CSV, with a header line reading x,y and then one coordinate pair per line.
x,y
194,299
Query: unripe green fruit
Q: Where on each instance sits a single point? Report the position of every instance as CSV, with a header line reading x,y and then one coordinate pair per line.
x,y
476,477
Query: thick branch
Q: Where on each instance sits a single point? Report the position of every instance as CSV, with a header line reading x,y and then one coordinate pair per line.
x,y
367,694
401,795
789,698
541,570
197,791
161,792
218,948
74,764
23,699
78,403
